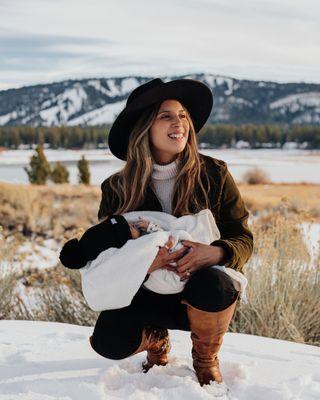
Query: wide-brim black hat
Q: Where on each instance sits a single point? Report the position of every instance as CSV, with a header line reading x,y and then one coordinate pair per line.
x,y
194,95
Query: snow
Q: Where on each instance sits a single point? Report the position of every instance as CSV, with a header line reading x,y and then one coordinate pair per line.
x,y
22,157
218,80
128,84
30,254
50,115
210,80
221,80
7,117
311,236
47,360
68,103
239,101
294,102
43,256
103,115
308,117
114,90
291,165
97,85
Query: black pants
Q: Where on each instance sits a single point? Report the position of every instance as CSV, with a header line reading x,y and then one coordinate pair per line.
x,y
117,333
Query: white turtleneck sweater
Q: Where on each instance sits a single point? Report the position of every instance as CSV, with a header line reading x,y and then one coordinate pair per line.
x,y
163,180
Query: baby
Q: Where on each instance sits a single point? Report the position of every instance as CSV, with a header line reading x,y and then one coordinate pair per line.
x,y
113,231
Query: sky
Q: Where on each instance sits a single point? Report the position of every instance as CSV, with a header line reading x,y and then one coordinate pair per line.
x,y
43,41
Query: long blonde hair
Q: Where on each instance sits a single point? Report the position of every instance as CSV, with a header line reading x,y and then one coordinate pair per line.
x,y
131,183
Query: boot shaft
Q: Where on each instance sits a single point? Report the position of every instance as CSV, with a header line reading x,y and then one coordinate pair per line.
x,y
207,331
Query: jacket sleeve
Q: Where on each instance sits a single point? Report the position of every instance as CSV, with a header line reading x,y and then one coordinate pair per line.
x,y
106,207
235,236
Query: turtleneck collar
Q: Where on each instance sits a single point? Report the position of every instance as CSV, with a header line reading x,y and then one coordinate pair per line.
x,y
167,171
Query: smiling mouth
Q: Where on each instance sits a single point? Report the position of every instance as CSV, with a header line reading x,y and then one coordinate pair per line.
x,y
177,137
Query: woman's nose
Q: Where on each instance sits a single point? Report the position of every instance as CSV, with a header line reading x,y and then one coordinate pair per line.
x,y
177,120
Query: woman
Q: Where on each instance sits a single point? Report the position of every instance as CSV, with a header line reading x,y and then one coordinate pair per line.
x,y
156,135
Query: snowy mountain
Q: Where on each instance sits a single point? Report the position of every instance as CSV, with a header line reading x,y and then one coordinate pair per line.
x,y
99,101
51,361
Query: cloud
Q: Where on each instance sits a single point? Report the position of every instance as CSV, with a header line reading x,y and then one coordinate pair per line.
x,y
61,39
39,52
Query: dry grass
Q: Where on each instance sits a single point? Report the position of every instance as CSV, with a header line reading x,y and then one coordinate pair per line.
x,y
58,211
52,294
283,291
8,277
55,211
302,199
56,302
46,295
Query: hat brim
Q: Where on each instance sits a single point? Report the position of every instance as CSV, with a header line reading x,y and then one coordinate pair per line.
x,y
194,95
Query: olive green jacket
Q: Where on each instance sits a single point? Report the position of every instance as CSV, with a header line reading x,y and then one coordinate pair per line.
x,y
226,205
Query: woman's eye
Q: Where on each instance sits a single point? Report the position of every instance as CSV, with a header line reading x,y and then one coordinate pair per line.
x,y
168,116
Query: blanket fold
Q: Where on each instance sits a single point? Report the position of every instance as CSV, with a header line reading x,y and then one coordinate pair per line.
x,y
114,277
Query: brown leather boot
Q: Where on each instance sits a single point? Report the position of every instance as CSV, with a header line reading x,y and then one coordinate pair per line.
x,y
207,330
156,342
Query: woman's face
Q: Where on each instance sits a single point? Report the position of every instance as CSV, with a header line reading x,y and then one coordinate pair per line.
x,y
169,132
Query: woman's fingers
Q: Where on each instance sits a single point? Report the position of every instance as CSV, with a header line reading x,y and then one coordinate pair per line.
x,y
170,242
183,270
177,254
185,273
170,268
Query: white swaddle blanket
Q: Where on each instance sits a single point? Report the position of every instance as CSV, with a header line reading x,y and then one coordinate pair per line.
x,y
114,277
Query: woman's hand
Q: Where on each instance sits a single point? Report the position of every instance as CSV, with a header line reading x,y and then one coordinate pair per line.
x,y
164,257
200,255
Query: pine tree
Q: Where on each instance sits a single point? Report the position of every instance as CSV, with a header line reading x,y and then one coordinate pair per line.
x,y
84,174
39,170
60,174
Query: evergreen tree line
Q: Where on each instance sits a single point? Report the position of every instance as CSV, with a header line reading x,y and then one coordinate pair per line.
x,y
39,170
258,135
56,137
214,135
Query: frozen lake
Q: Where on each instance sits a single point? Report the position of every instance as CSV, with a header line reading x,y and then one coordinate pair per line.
x,y
280,165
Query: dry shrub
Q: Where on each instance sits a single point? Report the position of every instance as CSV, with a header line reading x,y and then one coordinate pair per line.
x,y
255,176
253,206
53,295
7,286
283,290
301,199
19,206
58,303
8,277
48,211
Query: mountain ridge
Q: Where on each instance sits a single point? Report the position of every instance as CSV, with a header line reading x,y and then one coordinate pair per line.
x,y
97,101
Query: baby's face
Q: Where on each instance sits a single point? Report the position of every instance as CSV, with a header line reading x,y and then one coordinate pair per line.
x,y
135,233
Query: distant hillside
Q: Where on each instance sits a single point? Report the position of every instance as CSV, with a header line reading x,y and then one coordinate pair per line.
x,y
98,101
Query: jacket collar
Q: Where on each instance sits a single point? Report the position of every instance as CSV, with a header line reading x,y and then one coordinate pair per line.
x,y
151,202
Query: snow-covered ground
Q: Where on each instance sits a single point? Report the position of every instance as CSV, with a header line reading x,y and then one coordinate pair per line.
x,y
280,165
54,361
12,157
31,254
311,236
